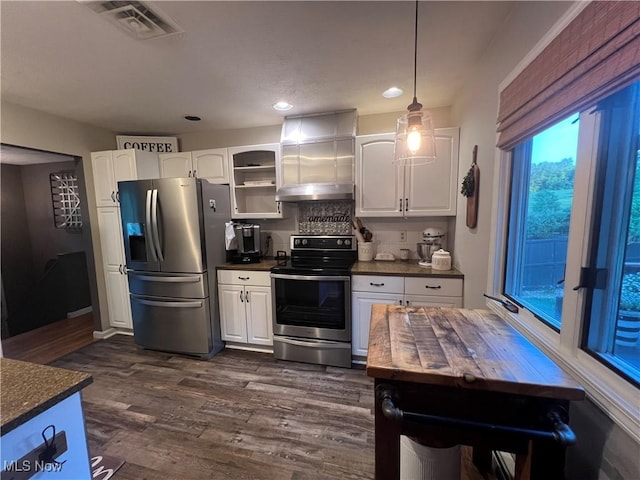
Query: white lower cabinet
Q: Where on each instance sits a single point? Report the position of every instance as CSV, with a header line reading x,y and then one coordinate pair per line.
x,y
245,307
361,307
114,265
368,290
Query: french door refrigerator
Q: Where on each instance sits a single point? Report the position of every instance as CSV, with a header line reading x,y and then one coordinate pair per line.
x,y
173,232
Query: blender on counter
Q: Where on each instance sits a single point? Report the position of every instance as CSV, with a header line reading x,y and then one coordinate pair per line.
x,y
432,239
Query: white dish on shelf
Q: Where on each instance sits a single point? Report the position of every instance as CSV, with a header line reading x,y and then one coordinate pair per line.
x,y
258,183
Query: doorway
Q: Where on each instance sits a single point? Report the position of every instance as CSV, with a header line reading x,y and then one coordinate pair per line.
x,y
45,244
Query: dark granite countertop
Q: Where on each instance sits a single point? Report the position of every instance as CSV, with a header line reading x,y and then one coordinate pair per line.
x,y
401,268
28,389
263,266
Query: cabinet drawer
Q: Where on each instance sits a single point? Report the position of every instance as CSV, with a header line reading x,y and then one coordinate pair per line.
x,y
432,301
377,283
244,277
441,287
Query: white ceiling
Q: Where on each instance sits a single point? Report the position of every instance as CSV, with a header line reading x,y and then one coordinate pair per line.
x,y
235,59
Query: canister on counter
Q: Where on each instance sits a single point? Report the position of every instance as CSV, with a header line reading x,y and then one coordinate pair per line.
x,y
441,260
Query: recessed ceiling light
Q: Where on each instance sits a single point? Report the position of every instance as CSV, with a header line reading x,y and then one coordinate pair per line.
x,y
192,118
392,92
282,106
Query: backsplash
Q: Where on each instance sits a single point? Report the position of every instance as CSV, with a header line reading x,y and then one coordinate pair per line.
x,y
325,218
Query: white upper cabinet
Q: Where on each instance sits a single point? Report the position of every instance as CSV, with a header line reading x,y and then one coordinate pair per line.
x,y
387,190
253,180
211,165
379,183
112,166
103,180
177,164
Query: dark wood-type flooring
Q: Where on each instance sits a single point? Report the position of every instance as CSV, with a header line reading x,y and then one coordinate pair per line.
x,y
46,344
240,415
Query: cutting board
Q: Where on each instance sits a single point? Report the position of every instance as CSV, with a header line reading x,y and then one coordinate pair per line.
x,y
472,201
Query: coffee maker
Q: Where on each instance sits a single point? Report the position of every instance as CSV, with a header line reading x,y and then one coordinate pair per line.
x,y
248,242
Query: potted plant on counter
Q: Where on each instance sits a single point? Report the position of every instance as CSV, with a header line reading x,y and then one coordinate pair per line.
x,y
628,327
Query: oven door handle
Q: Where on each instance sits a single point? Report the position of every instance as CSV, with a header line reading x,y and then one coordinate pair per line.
x,y
312,343
317,278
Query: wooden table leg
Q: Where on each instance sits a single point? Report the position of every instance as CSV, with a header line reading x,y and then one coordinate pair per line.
x,y
387,447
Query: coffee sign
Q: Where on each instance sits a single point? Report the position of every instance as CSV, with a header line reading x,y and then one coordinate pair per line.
x,y
148,144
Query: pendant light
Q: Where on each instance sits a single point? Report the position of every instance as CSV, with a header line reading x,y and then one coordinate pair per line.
x,y
415,140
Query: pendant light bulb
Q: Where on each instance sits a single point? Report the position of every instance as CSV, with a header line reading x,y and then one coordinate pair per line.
x,y
415,142
414,127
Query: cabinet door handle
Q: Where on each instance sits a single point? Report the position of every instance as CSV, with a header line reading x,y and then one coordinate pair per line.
x,y
278,207
400,204
408,303
244,278
194,173
399,302
241,297
120,269
376,284
117,197
406,204
189,174
113,196
433,288
246,296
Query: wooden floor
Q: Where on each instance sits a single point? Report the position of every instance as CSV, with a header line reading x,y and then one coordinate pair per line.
x,y
240,415
46,344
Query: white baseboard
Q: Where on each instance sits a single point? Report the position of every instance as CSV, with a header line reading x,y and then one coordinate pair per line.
x,y
110,332
250,348
82,311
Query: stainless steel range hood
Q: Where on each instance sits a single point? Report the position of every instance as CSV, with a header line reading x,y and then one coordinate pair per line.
x,y
318,153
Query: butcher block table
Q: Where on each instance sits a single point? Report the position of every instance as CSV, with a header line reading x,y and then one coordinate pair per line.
x,y
447,376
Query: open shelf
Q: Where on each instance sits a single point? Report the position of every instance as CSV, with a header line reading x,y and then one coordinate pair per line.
x,y
254,181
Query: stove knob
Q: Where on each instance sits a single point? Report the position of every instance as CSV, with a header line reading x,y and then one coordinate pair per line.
x,y
304,241
339,242
296,241
347,242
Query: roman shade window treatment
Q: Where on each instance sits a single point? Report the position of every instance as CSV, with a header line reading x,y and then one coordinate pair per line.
x,y
597,54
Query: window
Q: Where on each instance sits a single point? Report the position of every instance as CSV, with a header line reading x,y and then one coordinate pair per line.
x,y
612,329
542,230
541,197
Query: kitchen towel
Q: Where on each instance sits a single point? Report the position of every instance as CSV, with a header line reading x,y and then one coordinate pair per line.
x,y
230,241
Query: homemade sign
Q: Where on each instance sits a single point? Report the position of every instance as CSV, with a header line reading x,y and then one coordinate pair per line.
x,y
148,144
325,218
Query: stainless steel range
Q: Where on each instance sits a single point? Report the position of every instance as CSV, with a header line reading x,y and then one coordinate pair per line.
x,y
312,300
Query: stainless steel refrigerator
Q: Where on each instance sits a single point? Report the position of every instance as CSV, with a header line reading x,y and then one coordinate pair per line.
x,y
173,232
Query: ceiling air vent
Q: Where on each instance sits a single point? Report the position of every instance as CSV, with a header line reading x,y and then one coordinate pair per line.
x,y
137,19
